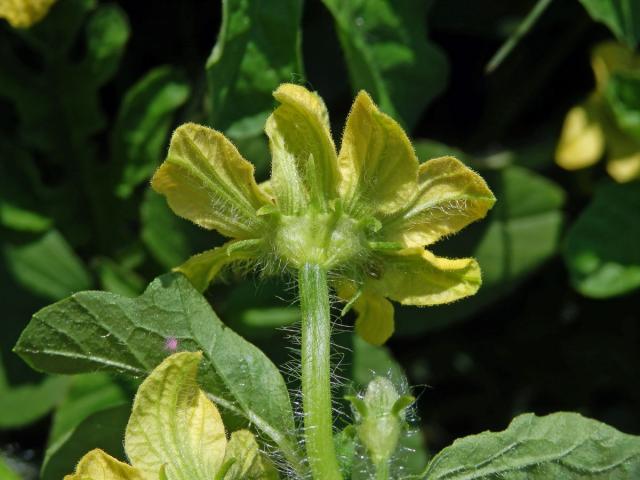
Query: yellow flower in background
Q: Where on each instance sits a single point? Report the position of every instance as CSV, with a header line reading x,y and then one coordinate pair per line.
x,y
364,214
24,13
591,128
176,433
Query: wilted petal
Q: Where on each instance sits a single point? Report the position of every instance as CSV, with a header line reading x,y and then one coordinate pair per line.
x,y
202,268
304,161
416,276
450,196
97,465
206,180
378,166
582,140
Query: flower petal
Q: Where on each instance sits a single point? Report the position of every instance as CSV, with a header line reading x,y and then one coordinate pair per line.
x,y
202,268
206,180
245,459
98,465
378,166
450,196
415,276
304,161
374,320
581,142
24,13
174,424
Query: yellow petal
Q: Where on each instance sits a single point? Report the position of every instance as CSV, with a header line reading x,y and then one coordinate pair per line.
x,y
202,268
623,152
624,160
582,139
375,314
415,276
206,180
449,197
624,169
304,161
378,166
245,460
611,57
24,13
97,465
174,424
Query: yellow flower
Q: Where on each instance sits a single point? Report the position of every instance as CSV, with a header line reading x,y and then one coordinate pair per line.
x,y
591,127
364,214
176,433
24,13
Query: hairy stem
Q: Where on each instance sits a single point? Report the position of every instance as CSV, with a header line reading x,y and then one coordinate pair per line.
x,y
382,470
316,385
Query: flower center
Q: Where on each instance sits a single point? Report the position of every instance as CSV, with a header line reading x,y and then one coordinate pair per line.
x,y
326,239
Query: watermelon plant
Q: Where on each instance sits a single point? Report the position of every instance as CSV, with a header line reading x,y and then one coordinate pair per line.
x,y
207,276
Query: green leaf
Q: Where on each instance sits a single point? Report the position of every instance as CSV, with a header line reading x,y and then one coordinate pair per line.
x,y
86,394
601,250
623,95
90,398
560,445
23,404
107,33
621,16
6,473
258,48
103,429
117,278
388,54
143,123
21,207
47,266
518,236
99,330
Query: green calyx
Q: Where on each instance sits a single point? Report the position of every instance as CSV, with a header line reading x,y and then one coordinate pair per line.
x,y
331,240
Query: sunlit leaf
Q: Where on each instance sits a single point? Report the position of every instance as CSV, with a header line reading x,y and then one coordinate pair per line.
x,y
98,330
561,445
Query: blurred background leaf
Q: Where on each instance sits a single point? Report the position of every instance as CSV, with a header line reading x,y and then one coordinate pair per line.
x,y
621,16
602,250
48,266
142,126
388,54
258,48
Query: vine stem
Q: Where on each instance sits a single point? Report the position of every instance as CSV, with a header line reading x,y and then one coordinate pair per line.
x,y
316,381
382,470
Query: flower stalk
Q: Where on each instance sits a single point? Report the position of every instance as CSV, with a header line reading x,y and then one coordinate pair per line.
x,y
316,381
